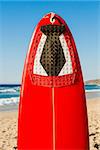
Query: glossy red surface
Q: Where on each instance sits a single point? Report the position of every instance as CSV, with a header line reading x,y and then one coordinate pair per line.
x,y
52,109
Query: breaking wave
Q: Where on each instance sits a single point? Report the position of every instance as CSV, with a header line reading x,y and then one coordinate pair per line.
x,y
9,101
8,90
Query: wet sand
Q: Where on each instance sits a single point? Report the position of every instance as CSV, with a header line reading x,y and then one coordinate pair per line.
x,y
8,127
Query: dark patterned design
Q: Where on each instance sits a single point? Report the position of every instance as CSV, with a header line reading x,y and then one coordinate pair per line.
x,y
52,58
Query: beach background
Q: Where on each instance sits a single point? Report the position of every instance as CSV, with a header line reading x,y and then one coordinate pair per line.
x,y
17,22
9,100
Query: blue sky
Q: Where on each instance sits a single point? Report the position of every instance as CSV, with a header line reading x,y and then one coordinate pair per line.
x,y
17,22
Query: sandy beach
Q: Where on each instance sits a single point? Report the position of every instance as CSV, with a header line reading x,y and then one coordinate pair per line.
x,y
8,127
8,130
93,106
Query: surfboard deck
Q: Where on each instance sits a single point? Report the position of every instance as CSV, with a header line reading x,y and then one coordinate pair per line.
x,y
52,109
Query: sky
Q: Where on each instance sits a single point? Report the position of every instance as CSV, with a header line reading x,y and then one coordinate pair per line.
x,y
19,18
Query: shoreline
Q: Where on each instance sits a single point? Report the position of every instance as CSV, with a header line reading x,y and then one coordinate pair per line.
x,y
9,108
5,106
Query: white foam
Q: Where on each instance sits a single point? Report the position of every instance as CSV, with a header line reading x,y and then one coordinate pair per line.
x,y
7,90
7,101
92,90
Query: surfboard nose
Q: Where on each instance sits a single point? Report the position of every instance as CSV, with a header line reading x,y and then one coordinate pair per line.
x,y
52,54
52,59
52,18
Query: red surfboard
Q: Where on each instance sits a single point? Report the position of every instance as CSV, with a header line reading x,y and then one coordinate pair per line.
x,y
52,109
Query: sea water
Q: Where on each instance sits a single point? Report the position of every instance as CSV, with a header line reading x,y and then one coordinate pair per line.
x,y
9,95
92,91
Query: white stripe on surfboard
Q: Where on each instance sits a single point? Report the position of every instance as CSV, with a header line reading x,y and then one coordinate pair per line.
x,y
67,68
53,110
38,69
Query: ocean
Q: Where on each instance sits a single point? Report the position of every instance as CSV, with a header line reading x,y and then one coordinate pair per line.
x,y
9,95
